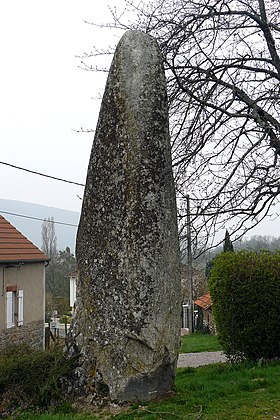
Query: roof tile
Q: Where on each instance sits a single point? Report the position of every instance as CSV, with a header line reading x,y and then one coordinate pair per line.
x,y
204,301
15,247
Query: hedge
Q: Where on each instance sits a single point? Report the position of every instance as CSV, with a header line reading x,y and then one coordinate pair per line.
x,y
245,290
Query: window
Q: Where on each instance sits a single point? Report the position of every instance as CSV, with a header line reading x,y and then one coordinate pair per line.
x,y
10,309
186,316
14,308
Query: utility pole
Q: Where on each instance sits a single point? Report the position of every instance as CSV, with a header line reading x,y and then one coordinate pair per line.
x,y
190,270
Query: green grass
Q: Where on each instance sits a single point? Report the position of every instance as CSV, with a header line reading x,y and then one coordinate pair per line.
x,y
215,392
197,342
219,392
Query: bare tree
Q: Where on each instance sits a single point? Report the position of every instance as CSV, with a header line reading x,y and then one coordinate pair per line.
x,y
61,264
49,240
223,72
49,248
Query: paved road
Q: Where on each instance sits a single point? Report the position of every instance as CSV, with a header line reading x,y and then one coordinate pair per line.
x,y
200,359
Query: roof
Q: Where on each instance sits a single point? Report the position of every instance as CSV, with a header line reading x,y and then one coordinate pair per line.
x,y
14,247
204,301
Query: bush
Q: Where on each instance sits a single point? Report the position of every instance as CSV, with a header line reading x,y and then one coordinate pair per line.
x,y
31,379
65,319
245,290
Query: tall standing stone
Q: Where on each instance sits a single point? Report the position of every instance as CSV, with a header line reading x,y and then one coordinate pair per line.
x,y
128,317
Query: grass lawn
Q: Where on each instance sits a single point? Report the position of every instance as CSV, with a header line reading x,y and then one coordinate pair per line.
x,y
220,392
215,392
197,342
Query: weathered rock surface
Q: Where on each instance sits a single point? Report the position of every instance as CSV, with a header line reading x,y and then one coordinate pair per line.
x,y
127,325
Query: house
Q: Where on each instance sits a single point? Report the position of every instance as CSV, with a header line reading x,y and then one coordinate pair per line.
x,y
22,288
73,289
204,304
199,286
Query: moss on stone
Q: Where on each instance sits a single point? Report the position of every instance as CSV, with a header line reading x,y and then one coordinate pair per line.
x,y
127,245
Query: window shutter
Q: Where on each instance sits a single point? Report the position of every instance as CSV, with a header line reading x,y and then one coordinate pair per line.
x,y
20,307
9,309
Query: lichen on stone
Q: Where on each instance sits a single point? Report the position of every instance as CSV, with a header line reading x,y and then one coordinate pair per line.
x,y
128,320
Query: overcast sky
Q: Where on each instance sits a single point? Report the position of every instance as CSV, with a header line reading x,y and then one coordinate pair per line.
x,y
45,96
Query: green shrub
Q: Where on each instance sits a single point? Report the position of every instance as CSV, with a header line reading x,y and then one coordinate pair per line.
x,y
65,319
245,289
31,379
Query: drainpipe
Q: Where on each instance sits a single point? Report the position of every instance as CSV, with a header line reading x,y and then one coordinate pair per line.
x,y
3,281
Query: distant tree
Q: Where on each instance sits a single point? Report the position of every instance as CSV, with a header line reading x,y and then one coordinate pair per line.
x,y
199,286
228,246
61,264
56,303
66,261
208,267
275,244
259,242
57,280
66,264
49,240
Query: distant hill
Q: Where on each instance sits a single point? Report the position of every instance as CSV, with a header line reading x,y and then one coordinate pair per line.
x,y
66,235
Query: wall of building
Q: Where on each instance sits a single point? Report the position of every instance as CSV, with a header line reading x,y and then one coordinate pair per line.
x,y
32,334
31,279
208,320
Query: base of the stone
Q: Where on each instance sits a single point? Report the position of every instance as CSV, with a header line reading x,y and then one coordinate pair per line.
x,y
148,387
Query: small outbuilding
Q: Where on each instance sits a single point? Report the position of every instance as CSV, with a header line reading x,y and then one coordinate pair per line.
x,y
22,288
204,305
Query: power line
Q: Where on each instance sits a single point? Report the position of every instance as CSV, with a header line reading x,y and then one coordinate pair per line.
x,y
39,173
38,218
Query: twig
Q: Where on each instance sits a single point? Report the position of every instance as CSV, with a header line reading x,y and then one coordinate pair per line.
x,y
200,414
160,412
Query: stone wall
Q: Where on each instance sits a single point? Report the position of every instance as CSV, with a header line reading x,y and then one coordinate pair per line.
x,y
32,334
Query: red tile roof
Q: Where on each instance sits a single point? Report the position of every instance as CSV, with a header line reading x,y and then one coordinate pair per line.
x,y
14,247
204,301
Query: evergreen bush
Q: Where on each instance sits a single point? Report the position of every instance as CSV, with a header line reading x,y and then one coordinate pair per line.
x,y
245,290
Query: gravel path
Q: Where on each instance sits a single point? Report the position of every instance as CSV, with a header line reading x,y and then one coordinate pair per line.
x,y
200,359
